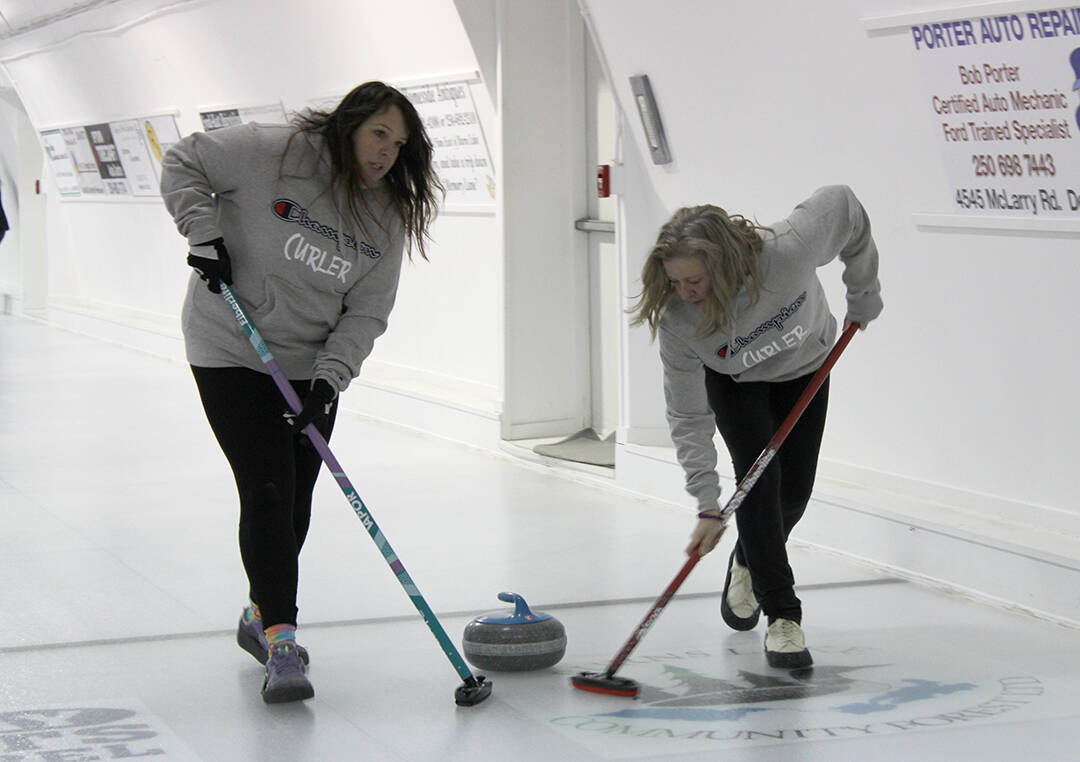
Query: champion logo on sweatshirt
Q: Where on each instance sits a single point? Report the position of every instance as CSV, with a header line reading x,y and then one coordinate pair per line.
x,y
776,321
290,211
369,251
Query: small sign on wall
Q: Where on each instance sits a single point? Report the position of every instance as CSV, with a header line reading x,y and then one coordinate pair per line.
x,y
64,173
461,154
216,118
161,133
1003,97
130,149
109,160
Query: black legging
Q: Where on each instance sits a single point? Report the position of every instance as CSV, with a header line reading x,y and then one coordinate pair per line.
x,y
748,415
275,475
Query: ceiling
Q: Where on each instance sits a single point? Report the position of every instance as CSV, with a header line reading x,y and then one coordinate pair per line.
x,y
18,16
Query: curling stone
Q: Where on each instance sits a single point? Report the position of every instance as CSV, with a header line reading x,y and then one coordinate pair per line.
x,y
514,642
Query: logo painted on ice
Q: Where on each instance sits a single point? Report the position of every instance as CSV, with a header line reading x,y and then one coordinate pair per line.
x,y
91,732
692,696
681,704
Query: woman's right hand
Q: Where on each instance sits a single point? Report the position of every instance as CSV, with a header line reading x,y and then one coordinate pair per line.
x,y
706,535
211,261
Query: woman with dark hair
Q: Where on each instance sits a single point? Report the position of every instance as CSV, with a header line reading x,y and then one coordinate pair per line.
x,y
307,223
743,325
3,222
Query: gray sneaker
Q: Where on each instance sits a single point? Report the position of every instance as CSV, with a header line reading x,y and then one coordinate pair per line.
x,y
250,637
738,606
785,645
285,680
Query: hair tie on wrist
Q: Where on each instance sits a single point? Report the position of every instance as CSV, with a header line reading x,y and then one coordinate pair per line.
x,y
709,515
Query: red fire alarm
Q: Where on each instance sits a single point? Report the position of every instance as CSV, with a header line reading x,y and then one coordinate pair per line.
x,y
603,181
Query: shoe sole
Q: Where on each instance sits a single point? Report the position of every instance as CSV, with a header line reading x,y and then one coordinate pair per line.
x,y
255,648
731,619
792,660
296,690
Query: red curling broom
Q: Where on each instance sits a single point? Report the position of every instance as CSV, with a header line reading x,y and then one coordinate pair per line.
x,y
606,681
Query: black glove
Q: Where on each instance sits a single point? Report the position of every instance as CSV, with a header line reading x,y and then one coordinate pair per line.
x,y
317,406
213,270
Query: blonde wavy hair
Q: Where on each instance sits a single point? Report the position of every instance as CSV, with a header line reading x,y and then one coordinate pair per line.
x,y
728,245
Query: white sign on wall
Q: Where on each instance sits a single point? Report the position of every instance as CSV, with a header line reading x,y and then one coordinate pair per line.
x,y
134,156
110,160
215,119
61,162
1003,95
86,167
460,150
161,133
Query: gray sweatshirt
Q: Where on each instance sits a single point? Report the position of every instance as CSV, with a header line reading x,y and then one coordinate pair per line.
x,y
318,286
785,335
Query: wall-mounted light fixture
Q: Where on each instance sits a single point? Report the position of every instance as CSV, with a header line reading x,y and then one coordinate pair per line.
x,y
650,119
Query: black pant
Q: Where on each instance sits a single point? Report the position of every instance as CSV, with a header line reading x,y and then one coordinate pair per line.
x,y
748,415
275,468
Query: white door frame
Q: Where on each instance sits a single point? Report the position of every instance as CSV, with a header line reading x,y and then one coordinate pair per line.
x,y
541,115
25,208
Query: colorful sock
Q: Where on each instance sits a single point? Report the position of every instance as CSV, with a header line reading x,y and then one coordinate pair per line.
x,y
280,633
251,611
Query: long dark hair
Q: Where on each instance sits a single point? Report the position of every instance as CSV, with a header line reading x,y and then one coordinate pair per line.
x,y
414,187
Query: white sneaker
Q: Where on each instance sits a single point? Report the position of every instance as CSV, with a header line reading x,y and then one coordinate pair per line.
x,y
785,645
738,606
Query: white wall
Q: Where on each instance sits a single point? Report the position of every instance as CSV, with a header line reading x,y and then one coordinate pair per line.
x,y
10,259
960,395
138,57
23,266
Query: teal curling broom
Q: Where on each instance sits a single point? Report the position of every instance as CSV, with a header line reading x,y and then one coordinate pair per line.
x,y
475,688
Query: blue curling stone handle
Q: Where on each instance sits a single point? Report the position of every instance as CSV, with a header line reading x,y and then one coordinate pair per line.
x,y
522,614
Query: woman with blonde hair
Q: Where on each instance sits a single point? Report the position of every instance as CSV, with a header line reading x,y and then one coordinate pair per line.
x,y
743,324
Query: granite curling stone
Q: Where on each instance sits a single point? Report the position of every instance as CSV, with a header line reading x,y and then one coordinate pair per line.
x,y
514,642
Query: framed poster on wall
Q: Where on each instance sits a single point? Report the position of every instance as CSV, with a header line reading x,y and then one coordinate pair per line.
x,y
86,166
133,153
110,160
161,133
61,162
461,153
216,118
